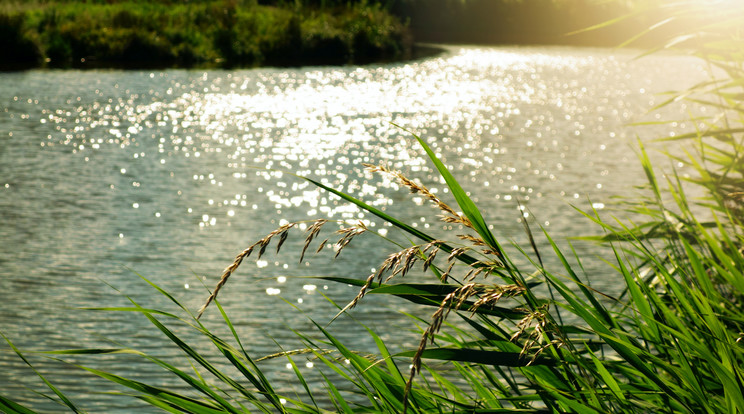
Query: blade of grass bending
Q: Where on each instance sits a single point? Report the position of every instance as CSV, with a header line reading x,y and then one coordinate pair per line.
x,y
649,170
506,411
155,402
181,401
606,23
338,401
166,294
539,258
626,350
646,32
480,356
258,379
221,345
392,220
446,387
639,294
226,351
385,354
463,200
575,278
11,407
428,294
199,386
393,396
486,397
194,384
338,370
726,377
54,389
499,380
196,356
531,239
608,379
348,281
574,405
372,395
488,329
185,377
301,378
707,133
394,372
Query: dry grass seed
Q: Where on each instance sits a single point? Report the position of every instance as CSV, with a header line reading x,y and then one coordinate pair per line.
x,y
451,216
535,322
263,243
312,231
348,234
398,263
454,300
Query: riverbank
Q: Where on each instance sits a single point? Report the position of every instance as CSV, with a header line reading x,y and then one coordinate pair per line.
x,y
228,33
205,33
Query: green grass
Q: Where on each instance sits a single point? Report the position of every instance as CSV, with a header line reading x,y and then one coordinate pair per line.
x,y
528,338
224,32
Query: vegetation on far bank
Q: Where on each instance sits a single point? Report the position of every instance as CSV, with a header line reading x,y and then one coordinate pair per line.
x,y
219,32
138,33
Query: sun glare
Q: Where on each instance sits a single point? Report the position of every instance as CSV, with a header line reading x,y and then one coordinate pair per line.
x,y
721,4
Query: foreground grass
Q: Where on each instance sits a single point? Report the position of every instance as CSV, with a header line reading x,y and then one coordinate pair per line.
x,y
136,33
530,338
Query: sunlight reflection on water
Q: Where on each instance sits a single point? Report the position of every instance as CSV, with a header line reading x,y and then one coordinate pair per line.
x,y
172,173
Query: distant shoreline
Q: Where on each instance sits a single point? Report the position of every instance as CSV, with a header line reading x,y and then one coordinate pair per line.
x,y
418,51
140,34
211,33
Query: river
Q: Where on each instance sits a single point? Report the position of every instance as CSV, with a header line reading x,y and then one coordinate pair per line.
x,y
106,175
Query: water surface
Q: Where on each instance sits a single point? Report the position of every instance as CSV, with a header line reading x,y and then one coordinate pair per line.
x,y
108,174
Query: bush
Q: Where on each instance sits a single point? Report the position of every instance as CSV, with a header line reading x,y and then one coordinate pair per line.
x,y
18,44
232,32
374,35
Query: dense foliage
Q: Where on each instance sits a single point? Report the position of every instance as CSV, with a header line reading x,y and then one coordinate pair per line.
x,y
223,32
530,338
286,32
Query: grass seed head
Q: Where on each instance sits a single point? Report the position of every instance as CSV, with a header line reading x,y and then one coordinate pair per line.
x,y
348,234
262,244
450,215
226,275
312,231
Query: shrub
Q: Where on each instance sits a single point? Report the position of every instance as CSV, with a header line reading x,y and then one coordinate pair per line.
x,y
17,43
232,32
